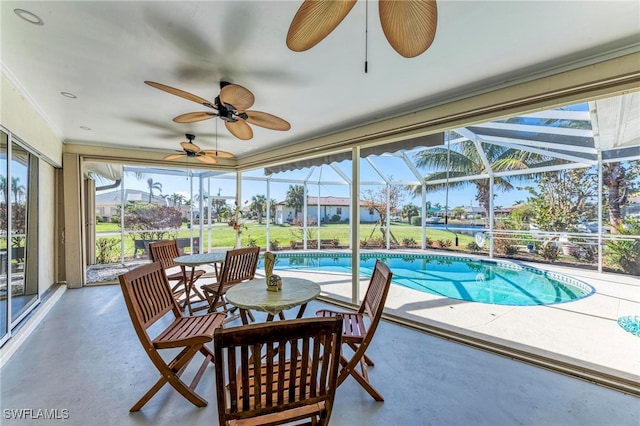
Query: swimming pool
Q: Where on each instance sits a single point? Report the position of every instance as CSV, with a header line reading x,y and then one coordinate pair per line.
x,y
475,280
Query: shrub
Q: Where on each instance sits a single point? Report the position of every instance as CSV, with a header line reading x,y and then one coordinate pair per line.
x,y
625,253
511,249
416,220
550,252
150,221
409,242
444,243
275,245
589,254
474,247
106,250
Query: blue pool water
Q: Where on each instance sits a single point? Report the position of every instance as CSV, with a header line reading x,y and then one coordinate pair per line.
x,y
484,281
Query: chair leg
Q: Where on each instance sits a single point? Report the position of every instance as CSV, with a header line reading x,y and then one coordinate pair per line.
x,y
368,360
170,373
362,377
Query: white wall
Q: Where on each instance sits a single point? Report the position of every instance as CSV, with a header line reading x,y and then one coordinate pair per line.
x,y
312,212
19,116
46,228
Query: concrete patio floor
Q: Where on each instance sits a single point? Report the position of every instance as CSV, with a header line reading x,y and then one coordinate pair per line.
x,y
84,357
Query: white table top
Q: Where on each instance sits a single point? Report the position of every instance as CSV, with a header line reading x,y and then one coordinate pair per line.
x,y
201,258
255,296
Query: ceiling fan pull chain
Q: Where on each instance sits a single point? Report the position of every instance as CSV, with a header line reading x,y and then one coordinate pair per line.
x,y
366,35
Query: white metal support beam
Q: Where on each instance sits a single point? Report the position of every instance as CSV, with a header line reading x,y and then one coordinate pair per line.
x,y
355,220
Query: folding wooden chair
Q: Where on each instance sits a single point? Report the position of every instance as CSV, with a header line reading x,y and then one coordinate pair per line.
x,y
148,297
239,265
359,328
184,289
294,379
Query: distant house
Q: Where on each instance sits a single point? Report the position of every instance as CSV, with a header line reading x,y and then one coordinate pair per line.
x,y
108,203
473,212
331,208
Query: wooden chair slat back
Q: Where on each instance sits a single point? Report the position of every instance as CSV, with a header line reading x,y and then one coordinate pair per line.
x,y
276,366
147,294
164,252
239,265
376,295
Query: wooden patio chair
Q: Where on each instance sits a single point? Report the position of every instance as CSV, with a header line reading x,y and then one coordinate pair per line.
x,y
293,377
184,289
239,265
148,297
359,328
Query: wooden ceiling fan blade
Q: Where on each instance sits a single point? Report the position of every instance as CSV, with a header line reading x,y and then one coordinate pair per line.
x,y
409,25
314,21
181,93
266,120
207,159
188,146
218,154
173,156
238,96
240,129
192,117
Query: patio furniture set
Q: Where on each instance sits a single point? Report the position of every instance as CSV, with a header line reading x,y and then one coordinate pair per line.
x,y
272,372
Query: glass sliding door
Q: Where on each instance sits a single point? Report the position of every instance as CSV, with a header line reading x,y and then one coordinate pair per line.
x,y
23,231
4,275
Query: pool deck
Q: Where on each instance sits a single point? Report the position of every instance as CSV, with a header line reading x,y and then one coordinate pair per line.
x,y
584,332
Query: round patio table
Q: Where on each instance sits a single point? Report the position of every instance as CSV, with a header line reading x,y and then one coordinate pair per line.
x,y
253,295
194,260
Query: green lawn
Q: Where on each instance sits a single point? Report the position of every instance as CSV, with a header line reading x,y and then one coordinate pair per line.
x,y
282,235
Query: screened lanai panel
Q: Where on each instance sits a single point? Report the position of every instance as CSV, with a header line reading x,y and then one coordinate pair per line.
x,y
576,141
622,154
422,141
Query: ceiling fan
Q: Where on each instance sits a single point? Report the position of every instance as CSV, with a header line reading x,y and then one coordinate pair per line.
x,y
232,107
408,25
191,150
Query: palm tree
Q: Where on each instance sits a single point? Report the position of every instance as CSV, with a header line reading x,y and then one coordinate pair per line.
x,y
176,199
466,161
409,211
218,205
258,204
152,186
3,188
295,198
17,189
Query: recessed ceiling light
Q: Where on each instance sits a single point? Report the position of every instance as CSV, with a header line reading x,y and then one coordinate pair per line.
x,y
85,128
68,95
31,18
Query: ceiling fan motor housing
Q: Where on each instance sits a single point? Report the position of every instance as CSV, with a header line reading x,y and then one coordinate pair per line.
x,y
225,111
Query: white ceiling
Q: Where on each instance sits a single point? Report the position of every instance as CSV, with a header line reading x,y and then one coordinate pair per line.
x,y
103,52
